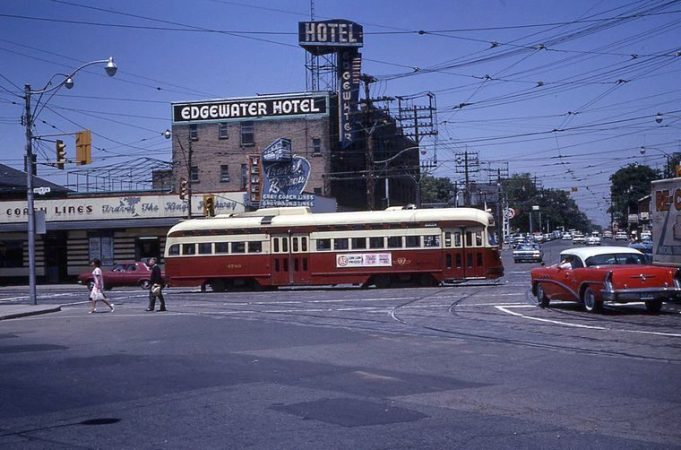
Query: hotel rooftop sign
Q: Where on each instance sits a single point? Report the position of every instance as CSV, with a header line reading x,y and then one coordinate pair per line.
x,y
327,36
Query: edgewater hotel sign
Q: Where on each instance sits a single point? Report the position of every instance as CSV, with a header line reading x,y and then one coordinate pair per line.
x,y
250,108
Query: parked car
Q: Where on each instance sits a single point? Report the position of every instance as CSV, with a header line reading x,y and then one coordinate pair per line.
x,y
528,252
621,236
128,273
566,237
594,275
607,234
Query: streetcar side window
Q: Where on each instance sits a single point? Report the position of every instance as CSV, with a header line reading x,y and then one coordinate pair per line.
x,y
412,241
323,244
238,247
376,242
174,250
255,247
188,249
340,244
359,243
205,248
431,241
222,247
395,242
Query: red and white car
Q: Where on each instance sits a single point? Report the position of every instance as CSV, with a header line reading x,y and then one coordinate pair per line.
x,y
594,275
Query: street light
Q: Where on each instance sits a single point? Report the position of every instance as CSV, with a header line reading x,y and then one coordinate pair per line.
x,y
387,184
29,120
669,170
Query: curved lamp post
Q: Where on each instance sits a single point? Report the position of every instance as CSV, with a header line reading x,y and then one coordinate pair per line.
x,y
29,119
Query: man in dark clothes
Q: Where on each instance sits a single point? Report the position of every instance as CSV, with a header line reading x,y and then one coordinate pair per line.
x,y
156,289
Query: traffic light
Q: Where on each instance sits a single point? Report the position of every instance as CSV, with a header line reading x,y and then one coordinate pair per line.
x,y
184,189
61,153
208,205
83,147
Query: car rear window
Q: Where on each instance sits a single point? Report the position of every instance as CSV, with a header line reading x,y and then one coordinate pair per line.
x,y
614,259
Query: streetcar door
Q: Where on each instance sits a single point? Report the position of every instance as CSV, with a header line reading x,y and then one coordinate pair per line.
x,y
299,266
474,252
290,259
454,253
280,259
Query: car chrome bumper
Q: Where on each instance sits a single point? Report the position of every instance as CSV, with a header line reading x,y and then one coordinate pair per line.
x,y
640,295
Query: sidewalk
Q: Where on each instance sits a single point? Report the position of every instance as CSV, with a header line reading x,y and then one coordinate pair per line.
x,y
14,311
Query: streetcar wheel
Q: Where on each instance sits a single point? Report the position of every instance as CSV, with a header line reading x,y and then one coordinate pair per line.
x,y
217,285
382,281
590,303
654,306
541,296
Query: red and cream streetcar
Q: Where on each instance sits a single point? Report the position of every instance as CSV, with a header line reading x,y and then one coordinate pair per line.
x,y
294,247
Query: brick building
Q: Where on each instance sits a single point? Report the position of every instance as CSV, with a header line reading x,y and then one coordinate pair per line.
x,y
284,150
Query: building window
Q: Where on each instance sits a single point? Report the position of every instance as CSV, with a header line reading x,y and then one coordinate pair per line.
x,y
316,147
194,132
101,247
224,173
222,131
11,254
244,176
247,133
195,174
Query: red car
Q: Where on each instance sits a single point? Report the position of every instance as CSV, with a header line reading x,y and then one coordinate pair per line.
x,y
130,273
594,275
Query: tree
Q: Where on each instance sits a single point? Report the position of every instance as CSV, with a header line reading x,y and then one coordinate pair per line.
x,y
436,190
556,208
628,186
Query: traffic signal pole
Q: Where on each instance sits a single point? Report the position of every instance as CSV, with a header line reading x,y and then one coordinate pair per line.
x,y
29,195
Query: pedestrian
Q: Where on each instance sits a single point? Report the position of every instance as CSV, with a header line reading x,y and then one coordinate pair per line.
x,y
156,288
97,292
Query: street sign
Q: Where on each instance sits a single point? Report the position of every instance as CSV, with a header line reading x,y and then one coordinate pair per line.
x,y
42,190
510,213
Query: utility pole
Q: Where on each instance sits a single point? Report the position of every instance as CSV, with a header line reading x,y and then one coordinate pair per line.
x,y
369,131
29,195
189,178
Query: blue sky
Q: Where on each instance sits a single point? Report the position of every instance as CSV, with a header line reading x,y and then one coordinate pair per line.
x,y
566,91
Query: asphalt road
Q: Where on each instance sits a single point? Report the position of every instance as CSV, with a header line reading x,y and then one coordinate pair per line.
x,y
470,366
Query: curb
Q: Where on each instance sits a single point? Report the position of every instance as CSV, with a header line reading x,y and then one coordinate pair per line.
x,y
28,312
